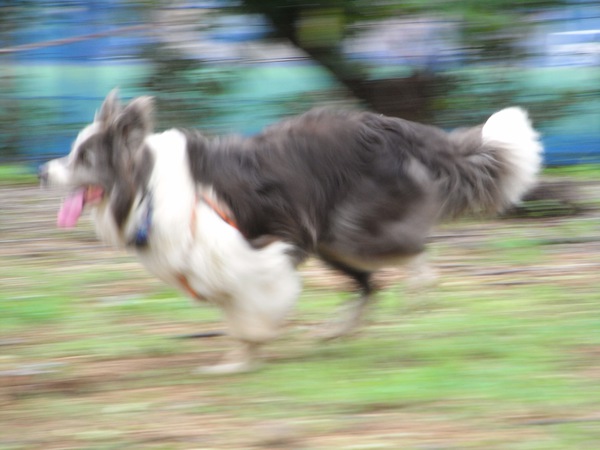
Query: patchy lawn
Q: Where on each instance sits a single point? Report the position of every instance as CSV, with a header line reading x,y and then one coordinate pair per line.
x,y
503,353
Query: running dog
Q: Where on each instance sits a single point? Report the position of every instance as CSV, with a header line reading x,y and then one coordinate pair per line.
x,y
227,220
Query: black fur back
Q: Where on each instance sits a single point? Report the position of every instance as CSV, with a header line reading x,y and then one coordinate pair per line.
x,y
352,185
298,177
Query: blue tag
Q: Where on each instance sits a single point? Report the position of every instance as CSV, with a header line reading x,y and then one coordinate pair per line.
x,y
143,231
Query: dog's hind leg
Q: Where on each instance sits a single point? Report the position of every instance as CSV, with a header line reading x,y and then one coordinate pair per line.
x,y
351,315
421,274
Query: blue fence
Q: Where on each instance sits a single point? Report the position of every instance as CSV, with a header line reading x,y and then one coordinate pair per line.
x,y
58,66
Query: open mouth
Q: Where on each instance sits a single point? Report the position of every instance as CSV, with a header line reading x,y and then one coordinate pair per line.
x,y
73,205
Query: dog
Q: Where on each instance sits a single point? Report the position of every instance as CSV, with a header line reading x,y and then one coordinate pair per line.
x,y
227,220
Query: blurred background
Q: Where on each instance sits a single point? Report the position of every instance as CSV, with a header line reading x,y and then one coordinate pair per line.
x,y
236,66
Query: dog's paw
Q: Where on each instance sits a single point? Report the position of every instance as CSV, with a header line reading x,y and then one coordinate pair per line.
x,y
335,329
346,322
244,358
230,368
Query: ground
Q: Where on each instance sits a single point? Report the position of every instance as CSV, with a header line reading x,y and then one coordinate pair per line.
x,y
502,353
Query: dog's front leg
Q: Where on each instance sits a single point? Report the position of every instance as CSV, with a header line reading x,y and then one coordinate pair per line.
x,y
252,326
244,358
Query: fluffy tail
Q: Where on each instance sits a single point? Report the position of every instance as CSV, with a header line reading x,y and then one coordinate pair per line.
x,y
492,165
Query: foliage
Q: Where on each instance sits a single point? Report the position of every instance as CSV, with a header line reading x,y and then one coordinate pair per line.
x,y
186,87
181,85
14,112
489,30
487,25
10,17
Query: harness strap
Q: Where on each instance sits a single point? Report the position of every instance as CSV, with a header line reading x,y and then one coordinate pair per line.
x,y
183,281
193,221
186,286
222,214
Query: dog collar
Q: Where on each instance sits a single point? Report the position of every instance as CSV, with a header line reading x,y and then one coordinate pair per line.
x,y
142,233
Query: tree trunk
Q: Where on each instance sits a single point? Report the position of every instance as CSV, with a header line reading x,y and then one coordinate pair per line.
x,y
409,97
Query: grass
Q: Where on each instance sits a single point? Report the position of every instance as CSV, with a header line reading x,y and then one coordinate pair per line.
x,y
580,172
502,354
16,174
475,354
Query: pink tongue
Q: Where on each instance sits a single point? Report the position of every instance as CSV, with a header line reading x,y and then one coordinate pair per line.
x,y
71,209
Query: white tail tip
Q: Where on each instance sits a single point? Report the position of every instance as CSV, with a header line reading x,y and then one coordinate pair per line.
x,y
511,129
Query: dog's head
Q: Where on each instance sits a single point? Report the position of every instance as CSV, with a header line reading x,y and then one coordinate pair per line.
x,y
102,156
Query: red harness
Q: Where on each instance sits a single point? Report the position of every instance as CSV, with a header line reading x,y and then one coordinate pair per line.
x,y
225,217
222,214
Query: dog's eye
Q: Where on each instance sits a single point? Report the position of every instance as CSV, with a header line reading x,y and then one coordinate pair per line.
x,y
87,157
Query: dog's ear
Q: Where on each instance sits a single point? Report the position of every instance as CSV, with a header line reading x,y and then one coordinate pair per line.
x,y
110,108
134,123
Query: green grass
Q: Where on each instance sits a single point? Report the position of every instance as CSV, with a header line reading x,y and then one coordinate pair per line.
x,y
474,354
16,174
581,172
502,354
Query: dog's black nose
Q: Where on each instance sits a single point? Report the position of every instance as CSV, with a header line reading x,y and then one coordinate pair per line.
x,y
43,173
